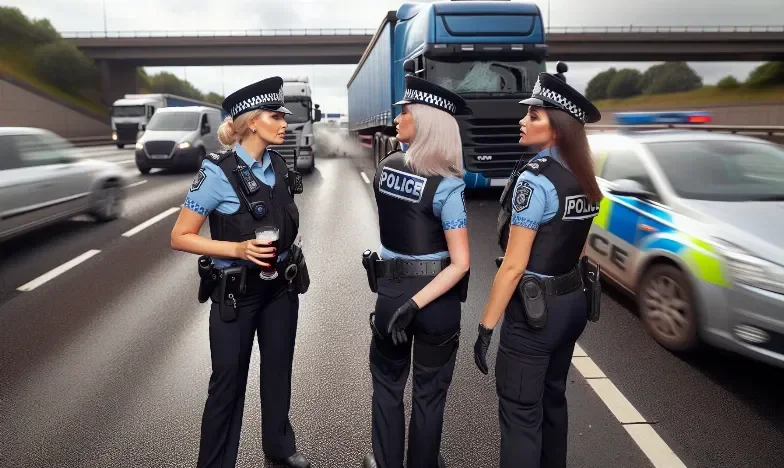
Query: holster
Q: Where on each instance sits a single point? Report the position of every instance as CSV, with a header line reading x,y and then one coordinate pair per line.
x,y
208,278
533,296
593,288
369,261
232,286
297,271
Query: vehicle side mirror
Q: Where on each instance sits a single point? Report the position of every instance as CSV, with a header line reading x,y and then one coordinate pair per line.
x,y
561,67
205,129
409,66
630,188
317,117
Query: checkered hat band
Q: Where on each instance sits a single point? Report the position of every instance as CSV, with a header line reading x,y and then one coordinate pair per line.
x,y
257,101
541,92
416,95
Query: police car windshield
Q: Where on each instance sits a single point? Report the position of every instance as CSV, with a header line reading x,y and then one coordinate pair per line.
x,y
722,170
178,121
490,77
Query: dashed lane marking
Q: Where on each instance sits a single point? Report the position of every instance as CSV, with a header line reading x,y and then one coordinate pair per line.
x,y
136,184
151,221
46,277
640,430
364,177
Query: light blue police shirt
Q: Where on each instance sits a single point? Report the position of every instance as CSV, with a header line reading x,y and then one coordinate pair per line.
x,y
211,190
448,204
540,202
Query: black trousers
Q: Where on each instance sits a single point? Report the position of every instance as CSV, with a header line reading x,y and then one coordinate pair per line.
x,y
531,369
434,335
270,312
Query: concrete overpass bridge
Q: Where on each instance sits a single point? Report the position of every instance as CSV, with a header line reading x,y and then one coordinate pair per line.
x,y
119,53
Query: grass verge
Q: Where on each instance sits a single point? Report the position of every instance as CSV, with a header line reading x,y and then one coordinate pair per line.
x,y
707,95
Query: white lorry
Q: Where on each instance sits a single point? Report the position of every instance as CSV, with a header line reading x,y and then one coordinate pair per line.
x,y
297,148
131,114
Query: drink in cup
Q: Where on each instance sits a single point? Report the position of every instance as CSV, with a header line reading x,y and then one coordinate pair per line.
x,y
269,234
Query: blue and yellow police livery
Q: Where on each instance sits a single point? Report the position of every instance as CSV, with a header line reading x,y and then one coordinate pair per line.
x,y
691,225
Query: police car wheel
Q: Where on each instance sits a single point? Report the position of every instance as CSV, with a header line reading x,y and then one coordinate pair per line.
x,y
667,308
108,202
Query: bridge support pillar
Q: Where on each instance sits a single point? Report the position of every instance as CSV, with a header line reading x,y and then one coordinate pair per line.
x,y
117,79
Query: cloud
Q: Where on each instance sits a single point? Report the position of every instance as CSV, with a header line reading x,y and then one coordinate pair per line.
x,y
329,81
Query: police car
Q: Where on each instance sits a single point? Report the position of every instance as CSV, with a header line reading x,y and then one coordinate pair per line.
x,y
692,225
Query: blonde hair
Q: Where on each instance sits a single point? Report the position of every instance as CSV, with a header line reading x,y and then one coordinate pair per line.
x,y
436,148
231,131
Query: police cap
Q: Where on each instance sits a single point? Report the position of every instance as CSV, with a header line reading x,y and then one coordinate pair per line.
x,y
266,94
419,91
551,92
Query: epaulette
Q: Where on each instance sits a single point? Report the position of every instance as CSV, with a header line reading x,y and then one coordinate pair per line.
x,y
390,154
219,156
538,165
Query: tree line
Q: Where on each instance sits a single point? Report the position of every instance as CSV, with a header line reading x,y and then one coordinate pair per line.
x,y
672,77
36,46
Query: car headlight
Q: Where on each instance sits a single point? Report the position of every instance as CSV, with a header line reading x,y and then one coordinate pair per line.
x,y
139,145
184,145
753,271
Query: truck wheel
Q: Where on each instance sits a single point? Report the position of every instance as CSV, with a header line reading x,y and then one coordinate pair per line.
x,y
667,308
121,146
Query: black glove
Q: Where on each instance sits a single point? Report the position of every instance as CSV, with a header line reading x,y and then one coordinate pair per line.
x,y
480,347
401,320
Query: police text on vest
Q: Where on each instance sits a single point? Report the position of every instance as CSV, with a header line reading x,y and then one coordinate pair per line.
x,y
398,184
578,207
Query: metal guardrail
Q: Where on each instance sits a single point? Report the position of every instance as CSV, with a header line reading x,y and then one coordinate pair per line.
x,y
739,129
370,32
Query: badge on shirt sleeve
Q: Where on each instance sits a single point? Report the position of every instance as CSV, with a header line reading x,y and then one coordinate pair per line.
x,y
522,197
198,180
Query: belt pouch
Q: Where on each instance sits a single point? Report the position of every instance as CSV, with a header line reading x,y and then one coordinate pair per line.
x,y
302,278
369,262
533,296
464,286
208,278
232,287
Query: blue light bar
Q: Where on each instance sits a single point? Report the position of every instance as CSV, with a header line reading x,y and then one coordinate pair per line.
x,y
672,117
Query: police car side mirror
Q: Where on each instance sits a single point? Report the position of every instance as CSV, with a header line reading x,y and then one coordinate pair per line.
x,y
630,188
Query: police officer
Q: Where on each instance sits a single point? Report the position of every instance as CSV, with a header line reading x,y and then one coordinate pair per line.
x,y
420,276
241,190
542,279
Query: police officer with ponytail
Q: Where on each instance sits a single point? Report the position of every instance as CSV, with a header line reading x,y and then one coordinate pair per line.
x,y
420,276
247,192
544,285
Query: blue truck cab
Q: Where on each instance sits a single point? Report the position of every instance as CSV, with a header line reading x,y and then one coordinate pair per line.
x,y
489,52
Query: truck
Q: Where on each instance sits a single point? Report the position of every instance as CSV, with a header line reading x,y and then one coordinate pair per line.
x,y
488,52
132,113
297,147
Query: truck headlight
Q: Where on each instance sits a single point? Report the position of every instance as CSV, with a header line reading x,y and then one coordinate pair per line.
x,y
114,136
750,270
139,145
184,145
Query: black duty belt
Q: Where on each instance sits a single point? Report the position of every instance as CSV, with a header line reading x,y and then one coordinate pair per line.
x,y
564,284
397,268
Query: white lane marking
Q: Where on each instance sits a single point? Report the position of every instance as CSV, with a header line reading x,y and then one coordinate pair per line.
x,y
57,271
364,177
643,434
127,161
151,221
136,184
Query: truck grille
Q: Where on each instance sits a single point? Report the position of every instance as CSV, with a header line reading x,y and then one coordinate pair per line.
x,y
158,149
491,146
127,132
289,148
290,138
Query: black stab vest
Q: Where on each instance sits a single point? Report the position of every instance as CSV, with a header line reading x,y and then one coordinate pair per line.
x,y
281,211
406,219
558,242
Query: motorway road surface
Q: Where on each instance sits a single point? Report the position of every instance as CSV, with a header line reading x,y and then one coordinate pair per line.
x,y
107,364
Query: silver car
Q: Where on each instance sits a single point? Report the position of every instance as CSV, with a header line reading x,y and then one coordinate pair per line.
x,y
42,182
691,225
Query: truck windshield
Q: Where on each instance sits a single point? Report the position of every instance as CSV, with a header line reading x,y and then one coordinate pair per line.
x,y
128,111
722,170
300,111
486,77
174,121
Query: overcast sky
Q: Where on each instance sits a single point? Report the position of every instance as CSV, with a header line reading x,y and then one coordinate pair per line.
x,y
329,81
